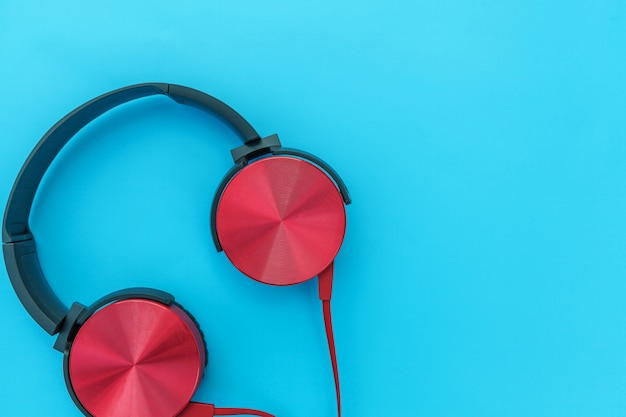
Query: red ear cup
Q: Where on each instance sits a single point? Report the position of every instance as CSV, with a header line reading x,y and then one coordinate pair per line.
x,y
281,220
136,357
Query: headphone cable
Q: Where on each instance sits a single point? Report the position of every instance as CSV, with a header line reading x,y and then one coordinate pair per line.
x,y
195,409
325,282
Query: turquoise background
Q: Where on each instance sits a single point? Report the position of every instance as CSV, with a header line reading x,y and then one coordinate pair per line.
x,y
484,144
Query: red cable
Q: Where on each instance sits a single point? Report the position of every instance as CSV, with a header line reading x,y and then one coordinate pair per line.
x,y
331,347
240,411
325,283
195,409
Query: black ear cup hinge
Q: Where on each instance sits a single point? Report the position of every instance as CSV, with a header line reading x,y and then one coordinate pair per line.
x,y
254,149
69,327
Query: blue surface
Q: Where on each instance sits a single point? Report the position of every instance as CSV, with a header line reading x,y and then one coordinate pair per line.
x,y
484,144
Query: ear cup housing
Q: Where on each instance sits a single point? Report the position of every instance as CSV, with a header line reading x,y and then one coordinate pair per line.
x,y
280,220
135,357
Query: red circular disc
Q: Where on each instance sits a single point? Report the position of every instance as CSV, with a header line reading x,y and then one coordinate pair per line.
x,y
281,220
136,358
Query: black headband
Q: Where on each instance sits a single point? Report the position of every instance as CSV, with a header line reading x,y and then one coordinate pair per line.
x,y
18,245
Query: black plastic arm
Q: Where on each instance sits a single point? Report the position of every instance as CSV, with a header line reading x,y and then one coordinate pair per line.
x,y
31,287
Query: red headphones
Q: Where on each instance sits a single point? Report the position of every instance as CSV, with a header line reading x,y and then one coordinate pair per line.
x,y
279,217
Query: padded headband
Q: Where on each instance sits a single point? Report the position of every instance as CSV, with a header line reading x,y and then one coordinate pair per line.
x,y
18,245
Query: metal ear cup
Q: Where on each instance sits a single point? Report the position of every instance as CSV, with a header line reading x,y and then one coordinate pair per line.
x,y
135,357
281,220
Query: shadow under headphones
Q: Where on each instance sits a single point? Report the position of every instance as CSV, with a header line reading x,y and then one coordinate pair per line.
x,y
279,217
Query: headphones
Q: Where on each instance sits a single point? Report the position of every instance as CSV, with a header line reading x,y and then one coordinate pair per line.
x,y
278,215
